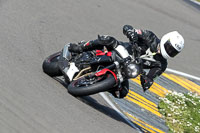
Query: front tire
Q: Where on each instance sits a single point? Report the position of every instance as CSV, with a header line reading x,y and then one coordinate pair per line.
x,y
50,65
104,84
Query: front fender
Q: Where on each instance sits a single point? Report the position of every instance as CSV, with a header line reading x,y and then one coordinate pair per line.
x,y
104,71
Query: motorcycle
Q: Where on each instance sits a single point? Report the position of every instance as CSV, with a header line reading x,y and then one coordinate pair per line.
x,y
90,72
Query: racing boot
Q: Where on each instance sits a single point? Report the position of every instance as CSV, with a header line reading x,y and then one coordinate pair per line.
x,y
81,46
104,40
75,48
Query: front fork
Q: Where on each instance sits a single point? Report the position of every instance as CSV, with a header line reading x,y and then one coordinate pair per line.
x,y
117,75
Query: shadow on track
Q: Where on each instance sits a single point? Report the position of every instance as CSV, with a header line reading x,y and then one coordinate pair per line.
x,y
97,106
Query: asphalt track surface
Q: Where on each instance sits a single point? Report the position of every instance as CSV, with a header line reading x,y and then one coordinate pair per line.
x,y
30,30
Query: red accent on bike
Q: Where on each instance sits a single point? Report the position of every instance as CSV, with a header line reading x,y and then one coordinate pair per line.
x,y
99,52
103,72
109,54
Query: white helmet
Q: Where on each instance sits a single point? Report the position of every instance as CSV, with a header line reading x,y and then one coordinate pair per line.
x,y
171,44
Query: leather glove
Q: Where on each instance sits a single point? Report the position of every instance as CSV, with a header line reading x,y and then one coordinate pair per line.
x,y
146,82
75,48
127,28
130,32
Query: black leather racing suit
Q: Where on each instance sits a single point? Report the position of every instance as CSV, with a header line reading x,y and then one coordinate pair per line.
x,y
146,40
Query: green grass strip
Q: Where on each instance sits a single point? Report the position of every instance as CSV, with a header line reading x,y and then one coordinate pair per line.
x,y
181,112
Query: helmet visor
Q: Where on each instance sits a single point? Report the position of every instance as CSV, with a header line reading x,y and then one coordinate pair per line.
x,y
171,51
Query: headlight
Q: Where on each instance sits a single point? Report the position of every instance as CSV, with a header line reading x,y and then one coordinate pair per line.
x,y
133,70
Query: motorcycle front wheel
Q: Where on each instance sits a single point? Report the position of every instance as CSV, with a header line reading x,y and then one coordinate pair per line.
x,y
87,86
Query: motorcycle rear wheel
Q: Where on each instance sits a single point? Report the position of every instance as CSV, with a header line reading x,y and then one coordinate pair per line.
x,y
101,85
50,65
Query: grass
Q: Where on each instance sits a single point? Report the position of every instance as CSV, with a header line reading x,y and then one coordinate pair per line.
x,y
181,112
198,0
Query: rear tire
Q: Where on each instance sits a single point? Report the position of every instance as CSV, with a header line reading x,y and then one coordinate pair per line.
x,y
50,65
103,85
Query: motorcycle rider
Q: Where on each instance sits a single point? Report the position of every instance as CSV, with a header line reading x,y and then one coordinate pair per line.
x,y
157,49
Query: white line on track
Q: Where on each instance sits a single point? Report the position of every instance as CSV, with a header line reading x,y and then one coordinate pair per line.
x,y
182,74
196,2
